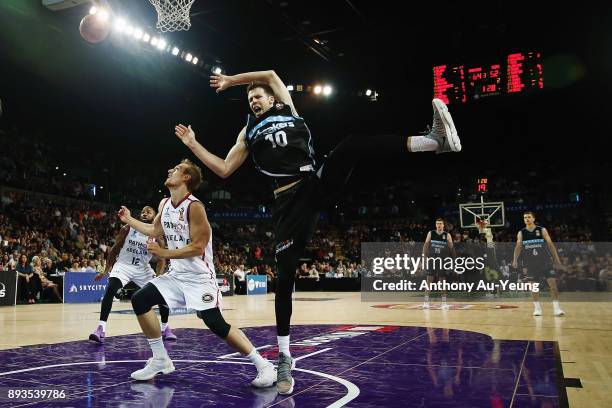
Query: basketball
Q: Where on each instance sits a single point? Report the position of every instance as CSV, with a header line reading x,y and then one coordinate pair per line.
x,y
94,28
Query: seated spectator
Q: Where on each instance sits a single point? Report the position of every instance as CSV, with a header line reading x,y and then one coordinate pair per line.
x,y
27,284
313,273
46,284
303,272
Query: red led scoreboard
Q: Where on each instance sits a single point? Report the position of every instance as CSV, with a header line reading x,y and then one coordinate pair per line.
x,y
519,72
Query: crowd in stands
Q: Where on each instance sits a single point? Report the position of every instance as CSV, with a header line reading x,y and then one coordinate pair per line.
x,y
55,223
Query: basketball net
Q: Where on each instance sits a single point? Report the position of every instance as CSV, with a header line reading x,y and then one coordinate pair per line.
x,y
172,15
483,228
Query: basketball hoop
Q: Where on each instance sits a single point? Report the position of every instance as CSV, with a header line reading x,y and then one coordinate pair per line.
x,y
172,15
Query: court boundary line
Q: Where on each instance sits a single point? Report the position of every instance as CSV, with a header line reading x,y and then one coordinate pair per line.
x,y
352,390
518,377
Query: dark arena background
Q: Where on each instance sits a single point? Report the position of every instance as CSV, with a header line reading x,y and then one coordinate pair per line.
x,y
91,92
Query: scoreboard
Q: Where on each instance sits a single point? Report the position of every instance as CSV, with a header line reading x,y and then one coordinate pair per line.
x,y
518,73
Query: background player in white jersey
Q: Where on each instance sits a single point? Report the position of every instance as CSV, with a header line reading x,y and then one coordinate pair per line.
x,y
190,281
128,261
281,147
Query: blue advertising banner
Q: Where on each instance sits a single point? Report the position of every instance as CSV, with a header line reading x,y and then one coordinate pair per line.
x,y
80,287
8,288
257,284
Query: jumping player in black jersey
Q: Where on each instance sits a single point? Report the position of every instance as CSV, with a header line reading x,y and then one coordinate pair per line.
x,y
540,258
281,147
438,245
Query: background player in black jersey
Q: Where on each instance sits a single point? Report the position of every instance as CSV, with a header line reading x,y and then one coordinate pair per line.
x,y
281,147
540,258
438,244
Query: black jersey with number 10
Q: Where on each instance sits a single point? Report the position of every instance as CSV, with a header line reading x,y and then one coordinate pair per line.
x,y
280,143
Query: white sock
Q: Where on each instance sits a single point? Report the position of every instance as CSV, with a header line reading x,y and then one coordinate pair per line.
x,y
422,144
157,347
103,324
556,304
256,358
537,305
283,345
163,326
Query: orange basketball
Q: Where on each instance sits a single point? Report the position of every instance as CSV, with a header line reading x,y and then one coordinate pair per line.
x,y
94,28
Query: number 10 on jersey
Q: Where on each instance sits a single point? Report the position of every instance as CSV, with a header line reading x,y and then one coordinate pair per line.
x,y
279,139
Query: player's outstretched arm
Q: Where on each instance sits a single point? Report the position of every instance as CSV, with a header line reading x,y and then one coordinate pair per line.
x,y
222,82
150,230
222,168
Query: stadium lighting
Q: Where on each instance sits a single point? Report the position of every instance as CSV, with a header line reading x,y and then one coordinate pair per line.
x,y
161,44
195,60
138,33
154,41
290,88
327,90
93,10
129,30
175,51
318,89
56,167
368,92
217,70
188,57
103,15
146,37
120,25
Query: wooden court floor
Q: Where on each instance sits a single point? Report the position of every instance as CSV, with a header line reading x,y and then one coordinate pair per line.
x,y
584,334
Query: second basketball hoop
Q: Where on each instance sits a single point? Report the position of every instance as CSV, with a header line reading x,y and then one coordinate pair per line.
x,y
172,15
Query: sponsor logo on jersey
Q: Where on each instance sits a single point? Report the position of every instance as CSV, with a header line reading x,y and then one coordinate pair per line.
x,y
275,127
207,298
174,226
537,233
279,106
281,246
181,211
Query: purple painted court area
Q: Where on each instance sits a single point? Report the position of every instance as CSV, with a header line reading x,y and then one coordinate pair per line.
x,y
360,366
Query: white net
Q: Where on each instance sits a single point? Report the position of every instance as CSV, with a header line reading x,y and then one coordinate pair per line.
x,y
172,15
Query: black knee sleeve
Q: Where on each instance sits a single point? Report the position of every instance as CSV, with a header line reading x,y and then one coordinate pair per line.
x,y
215,322
145,298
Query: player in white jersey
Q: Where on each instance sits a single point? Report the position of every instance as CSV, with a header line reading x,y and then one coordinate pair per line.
x,y
128,261
191,280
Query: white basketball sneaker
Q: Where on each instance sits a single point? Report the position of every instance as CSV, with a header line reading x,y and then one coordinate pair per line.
x,y
154,366
443,129
558,312
537,311
266,377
